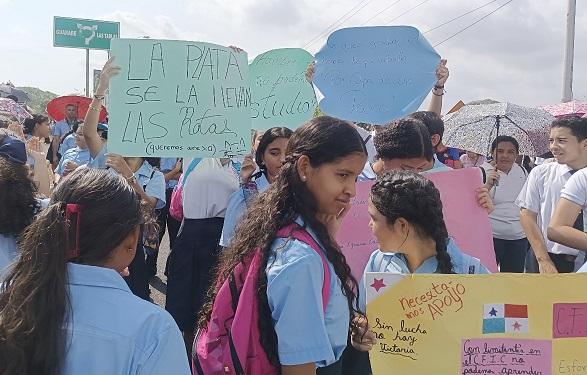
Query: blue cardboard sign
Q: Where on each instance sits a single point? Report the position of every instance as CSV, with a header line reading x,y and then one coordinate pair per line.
x,y
374,74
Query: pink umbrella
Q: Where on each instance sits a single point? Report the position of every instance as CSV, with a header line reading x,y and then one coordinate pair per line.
x,y
12,107
574,107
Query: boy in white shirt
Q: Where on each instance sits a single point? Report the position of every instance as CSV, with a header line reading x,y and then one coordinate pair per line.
x,y
538,198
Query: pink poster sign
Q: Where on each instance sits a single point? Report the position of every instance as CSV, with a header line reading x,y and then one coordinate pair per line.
x,y
355,238
467,222
506,356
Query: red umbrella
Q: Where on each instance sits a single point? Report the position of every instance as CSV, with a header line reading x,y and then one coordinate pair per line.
x,y
56,107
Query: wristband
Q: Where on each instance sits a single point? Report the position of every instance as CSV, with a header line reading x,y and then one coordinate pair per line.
x,y
131,180
99,97
439,87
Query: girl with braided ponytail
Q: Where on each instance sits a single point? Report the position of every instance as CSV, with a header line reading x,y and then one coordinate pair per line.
x,y
313,189
406,218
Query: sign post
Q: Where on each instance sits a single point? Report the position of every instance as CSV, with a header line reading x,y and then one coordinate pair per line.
x,y
83,33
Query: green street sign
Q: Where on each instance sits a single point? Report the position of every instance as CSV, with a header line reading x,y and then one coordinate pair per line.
x,y
82,33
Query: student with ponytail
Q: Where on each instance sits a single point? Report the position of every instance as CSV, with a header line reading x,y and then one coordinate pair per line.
x,y
269,157
313,189
64,307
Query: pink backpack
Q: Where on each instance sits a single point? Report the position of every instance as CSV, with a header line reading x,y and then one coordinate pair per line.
x,y
230,344
176,204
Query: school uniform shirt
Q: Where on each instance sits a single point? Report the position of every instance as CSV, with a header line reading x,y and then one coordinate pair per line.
x,y
236,208
368,174
541,193
396,263
62,127
437,163
167,165
505,218
295,275
111,331
8,248
68,143
575,190
208,188
8,254
76,155
153,182
437,167
100,160
154,186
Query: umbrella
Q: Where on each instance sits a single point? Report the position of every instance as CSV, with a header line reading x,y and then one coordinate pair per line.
x,y
574,107
474,127
12,107
56,107
6,90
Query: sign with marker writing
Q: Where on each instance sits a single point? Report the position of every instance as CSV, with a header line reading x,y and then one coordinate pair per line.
x,y
374,74
281,96
177,98
477,324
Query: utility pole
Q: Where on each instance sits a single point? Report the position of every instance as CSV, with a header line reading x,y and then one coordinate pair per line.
x,y
569,53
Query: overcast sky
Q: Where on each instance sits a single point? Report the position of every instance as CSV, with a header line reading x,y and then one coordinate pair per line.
x,y
513,55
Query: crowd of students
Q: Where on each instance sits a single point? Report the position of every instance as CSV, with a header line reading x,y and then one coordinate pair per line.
x,y
65,307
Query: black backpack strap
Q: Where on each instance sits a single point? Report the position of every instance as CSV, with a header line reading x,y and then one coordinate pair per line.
x,y
150,178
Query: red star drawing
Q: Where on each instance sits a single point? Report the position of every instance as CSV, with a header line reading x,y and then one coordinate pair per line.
x,y
516,326
377,284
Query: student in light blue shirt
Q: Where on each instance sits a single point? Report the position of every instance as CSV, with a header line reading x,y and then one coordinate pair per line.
x,y
314,188
73,158
37,126
67,309
61,128
269,157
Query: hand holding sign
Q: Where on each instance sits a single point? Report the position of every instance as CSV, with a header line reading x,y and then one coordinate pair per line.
x,y
375,74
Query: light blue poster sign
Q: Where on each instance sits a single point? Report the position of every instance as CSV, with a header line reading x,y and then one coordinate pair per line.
x,y
177,98
374,74
281,94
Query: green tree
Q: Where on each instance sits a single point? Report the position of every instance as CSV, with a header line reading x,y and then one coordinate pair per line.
x,y
39,99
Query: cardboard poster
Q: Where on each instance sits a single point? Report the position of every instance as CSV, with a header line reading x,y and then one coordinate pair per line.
x,y
478,324
374,74
281,96
178,98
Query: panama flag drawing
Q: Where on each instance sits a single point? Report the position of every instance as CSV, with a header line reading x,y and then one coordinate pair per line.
x,y
505,318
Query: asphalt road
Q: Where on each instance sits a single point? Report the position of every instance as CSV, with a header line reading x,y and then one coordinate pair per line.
x,y
158,284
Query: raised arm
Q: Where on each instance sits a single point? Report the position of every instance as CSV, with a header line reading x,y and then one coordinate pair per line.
x,y
91,136
438,89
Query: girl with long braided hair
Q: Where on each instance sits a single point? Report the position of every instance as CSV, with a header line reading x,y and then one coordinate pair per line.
x,y
313,189
407,220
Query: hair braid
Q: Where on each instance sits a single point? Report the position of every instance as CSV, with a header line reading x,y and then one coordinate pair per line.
x,y
416,199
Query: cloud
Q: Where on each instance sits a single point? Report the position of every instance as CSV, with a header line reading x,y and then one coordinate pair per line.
x,y
160,27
